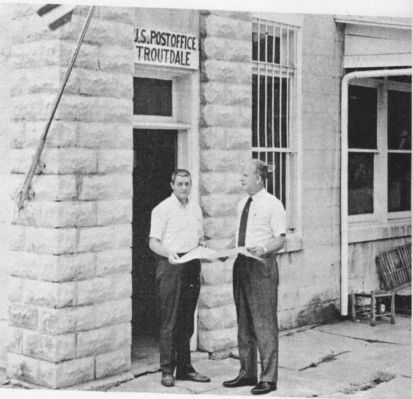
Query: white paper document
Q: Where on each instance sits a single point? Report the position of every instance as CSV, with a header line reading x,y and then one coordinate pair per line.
x,y
204,253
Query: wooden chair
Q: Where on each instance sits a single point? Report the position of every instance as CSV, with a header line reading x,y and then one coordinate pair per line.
x,y
395,270
372,309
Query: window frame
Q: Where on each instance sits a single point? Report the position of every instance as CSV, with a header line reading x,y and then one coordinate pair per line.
x,y
380,216
162,73
172,116
184,119
405,87
289,67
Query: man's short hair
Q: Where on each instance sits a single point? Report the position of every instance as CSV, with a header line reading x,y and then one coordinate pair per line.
x,y
261,169
179,172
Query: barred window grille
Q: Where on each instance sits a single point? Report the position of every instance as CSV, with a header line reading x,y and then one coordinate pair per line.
x,y
274,60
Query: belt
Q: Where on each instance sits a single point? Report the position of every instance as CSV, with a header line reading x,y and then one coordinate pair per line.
x,y
180,254
270,255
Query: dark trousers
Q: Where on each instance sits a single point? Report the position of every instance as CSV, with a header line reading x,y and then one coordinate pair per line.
x,y
178,291
255,294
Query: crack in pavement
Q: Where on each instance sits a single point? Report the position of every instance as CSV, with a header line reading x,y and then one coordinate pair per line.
x,y
299,330
135,376
325,359
380,379
286,368
370,341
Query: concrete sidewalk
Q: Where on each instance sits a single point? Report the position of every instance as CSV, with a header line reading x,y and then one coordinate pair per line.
x,y
340,360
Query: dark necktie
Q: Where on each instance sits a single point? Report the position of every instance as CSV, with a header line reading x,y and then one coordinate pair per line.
x,y
243,223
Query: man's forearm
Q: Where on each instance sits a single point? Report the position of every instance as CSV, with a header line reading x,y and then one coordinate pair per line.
x,y
156,246
275,244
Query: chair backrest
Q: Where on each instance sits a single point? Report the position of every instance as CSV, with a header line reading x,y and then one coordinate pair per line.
x,y
395,267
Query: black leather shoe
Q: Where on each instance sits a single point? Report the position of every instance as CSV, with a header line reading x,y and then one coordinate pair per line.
x,y
167,379
193,376
239,382
264,387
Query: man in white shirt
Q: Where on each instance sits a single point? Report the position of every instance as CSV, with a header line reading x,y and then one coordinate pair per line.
x,y
261,229
177,228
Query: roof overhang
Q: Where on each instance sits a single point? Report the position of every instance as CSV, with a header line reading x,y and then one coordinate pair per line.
x,y
384,22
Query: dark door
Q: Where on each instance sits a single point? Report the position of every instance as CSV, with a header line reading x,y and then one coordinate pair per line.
x,y
155,160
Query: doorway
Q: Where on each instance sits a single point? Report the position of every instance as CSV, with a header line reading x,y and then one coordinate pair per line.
x,y
155,159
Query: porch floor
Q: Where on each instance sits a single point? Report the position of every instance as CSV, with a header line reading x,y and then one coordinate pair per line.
x,y
339,360
343,360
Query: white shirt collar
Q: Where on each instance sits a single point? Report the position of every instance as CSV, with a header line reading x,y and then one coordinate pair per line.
x,y
259,194
179,203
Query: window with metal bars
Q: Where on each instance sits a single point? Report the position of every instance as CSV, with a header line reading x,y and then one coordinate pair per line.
x,y
274,59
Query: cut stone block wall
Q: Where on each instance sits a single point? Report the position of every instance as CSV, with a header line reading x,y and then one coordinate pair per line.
x,y
5,202
225,138
225,142
70,275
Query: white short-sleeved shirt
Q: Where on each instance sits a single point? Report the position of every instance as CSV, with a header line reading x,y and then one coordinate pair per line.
x,y
178,227
266,218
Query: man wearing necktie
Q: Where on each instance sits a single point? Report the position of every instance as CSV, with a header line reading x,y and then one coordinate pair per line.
x,y
261,229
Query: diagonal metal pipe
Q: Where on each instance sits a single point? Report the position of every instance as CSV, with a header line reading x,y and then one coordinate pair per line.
x,y
22,195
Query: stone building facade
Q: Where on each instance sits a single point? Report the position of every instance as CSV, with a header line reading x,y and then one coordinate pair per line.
x,y
71,306
5,197
70,282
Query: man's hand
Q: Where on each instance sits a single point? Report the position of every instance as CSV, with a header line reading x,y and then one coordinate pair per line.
x,y
202,242
173,258
258,251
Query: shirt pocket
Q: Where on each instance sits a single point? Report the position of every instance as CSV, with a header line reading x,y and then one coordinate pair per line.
x,y
175,223
261,217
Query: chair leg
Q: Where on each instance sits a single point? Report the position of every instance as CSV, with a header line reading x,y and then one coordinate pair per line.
x,y
353,307
373,310
393,309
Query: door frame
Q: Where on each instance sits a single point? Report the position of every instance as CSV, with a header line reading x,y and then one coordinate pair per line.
x,y
185,120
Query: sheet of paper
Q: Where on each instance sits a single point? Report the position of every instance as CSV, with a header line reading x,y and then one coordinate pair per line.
x,y
204,253
198,253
